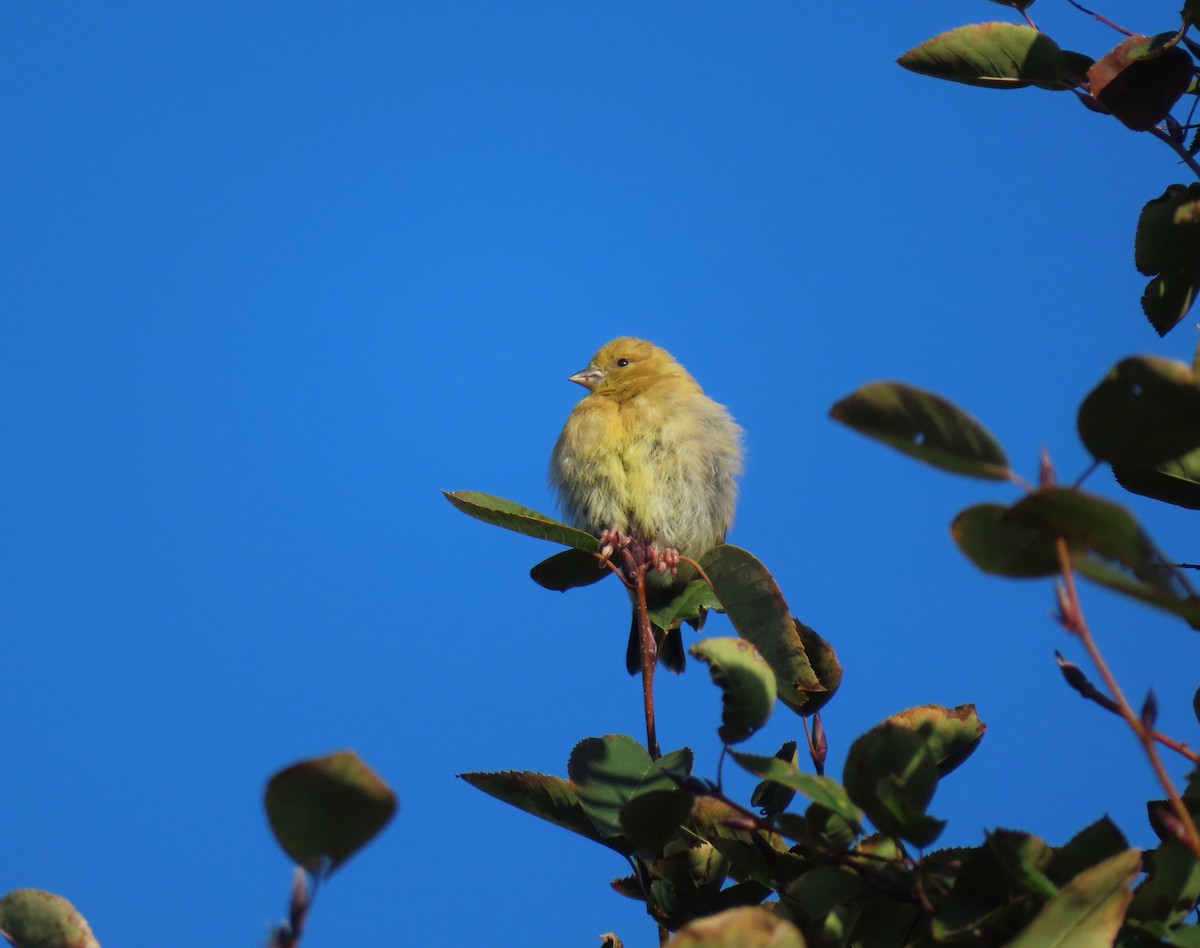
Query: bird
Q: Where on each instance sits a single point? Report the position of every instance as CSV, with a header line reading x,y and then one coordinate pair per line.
x,y
648,454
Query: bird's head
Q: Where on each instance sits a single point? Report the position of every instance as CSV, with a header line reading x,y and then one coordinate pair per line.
x,y
627,366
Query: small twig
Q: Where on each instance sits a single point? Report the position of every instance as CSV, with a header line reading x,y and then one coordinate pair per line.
x,y
699,570
1178,148
1079,681
1088,471
288,934
1104,20
1072,617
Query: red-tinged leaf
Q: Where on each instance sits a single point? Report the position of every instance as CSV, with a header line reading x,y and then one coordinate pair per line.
x,y
1139,81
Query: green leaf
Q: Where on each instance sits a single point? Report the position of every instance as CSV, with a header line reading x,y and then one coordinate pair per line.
x,y
32,918
1174,482
569,569
607,772
604,772
745,927
925,426
997,546
511,516
746,681
890,772
757,610
993,55
1088,910
828,793
1186,936
689,604
1145,411
549,798
1171,887
1106,545
325,809
951,733
1109,547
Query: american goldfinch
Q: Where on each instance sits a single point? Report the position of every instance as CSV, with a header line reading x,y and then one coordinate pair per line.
x,y
647,453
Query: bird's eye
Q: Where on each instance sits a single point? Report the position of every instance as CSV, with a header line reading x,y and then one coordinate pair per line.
x,y
621,363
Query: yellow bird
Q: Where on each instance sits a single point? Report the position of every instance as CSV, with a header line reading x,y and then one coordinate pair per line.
x,y
647,453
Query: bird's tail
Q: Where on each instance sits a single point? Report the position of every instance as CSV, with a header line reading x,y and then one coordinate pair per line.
x,y
670,648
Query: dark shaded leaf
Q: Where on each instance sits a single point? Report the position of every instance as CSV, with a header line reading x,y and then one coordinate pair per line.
x,y
652,819
1173,482
925,426
323,810
994,55
1167,247
770,797
997,546
1139,81
1089,846
1145,411
569,569
1108,546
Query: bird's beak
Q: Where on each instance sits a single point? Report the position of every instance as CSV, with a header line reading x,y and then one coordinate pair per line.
x,y
589,378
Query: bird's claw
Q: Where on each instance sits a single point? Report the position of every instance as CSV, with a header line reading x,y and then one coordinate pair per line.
x,y
666,561
612,540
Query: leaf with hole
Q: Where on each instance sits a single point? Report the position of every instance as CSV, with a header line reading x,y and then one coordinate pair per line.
x,y
746,681
1145,411
925,426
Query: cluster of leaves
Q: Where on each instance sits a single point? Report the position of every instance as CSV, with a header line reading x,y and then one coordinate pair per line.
x,y
850,864
1139,82
321,810
839,867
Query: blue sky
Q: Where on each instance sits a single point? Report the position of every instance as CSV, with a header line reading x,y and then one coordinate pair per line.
x,y
274,274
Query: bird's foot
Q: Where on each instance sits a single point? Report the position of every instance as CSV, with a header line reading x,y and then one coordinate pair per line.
x,y
664,561
612,540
